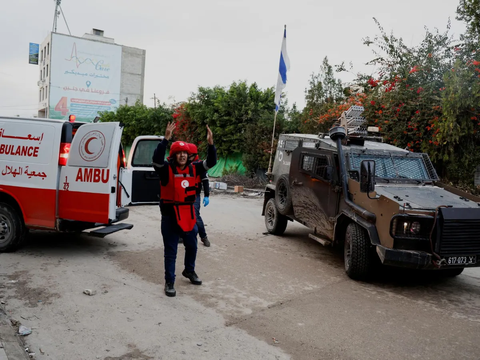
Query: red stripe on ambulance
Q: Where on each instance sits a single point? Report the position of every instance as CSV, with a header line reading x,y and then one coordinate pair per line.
x,y
28,199
89,207
92,175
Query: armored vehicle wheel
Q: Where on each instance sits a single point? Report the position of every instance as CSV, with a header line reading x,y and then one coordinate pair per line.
x,y
12,230
283,195
357,252
275,222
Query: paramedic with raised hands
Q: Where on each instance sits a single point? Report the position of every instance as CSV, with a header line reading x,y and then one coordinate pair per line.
x,y
177,197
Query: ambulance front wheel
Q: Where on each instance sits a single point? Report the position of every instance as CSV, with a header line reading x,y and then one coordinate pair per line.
x,y
12,229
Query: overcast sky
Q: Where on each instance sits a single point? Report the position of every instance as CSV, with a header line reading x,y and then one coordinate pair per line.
x,y
212,42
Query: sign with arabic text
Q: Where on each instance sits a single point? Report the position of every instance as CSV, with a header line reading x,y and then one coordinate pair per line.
x,y
85,77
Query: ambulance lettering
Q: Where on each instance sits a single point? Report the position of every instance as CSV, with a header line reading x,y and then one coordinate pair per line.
x,y
93,175
19,150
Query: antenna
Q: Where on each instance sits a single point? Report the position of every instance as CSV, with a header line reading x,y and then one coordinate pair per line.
x,y
58,10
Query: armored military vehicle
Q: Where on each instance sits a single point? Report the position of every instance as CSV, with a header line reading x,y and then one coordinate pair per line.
x,y
380,202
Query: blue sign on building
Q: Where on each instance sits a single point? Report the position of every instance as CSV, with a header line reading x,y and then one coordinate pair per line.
x,y
33,54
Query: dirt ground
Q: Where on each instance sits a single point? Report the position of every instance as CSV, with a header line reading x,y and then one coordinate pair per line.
x,y
263,297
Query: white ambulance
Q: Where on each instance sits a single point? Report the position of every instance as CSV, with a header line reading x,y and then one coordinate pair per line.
x,y
59,175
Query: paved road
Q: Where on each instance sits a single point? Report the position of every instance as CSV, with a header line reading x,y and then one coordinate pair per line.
x,y
263,297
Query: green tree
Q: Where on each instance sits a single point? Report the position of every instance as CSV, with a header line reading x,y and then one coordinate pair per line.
x,y
469,12
241,118
425,98
293,120
323,93
139,120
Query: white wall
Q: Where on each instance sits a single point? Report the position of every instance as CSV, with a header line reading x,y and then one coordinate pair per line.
x,y
133,75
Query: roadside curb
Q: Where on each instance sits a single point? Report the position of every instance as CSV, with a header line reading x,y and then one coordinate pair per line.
x,y
11,346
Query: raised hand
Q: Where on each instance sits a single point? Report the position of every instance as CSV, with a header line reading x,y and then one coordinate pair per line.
x,y
209,136
169,131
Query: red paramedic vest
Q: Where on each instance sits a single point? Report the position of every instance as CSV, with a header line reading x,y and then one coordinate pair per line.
x,y
181,192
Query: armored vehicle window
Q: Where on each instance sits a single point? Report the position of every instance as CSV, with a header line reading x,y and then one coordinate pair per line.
x,y
321,166
413,168
317,166
291,144
391,167
308,144
307,162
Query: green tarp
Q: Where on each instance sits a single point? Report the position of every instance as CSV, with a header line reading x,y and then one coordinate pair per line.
x,y
232,163
228,164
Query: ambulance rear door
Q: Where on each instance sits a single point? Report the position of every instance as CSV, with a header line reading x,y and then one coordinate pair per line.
x,y
88,183
141,182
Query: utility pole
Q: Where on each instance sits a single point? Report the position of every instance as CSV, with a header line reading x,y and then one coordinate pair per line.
x,y
154,101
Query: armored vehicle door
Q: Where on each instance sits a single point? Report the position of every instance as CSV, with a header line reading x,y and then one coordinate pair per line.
x,y
313,178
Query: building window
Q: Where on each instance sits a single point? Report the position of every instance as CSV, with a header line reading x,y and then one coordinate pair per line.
x,y
41,55
40,74
48,49
40,95
46,74
46,92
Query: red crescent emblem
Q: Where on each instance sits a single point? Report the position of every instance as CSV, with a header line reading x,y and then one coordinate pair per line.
x,y
86,145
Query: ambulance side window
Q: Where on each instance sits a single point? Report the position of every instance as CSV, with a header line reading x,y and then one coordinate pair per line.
x,y
144,152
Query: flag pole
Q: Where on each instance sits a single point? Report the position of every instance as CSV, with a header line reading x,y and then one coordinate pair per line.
x,y
271,147
281,82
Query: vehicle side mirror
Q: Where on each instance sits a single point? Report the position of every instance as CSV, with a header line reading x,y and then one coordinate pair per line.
x,y
367,176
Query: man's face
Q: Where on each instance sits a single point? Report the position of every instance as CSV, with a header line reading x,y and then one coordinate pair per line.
x,y
181,158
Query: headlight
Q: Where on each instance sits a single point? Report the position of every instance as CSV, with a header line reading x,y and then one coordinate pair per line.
x,y
411,227
415,227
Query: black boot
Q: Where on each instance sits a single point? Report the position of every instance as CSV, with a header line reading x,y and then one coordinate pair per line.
x,y
192,276
205,241
170,290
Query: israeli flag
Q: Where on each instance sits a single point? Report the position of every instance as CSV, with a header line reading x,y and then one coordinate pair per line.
x,y
282,73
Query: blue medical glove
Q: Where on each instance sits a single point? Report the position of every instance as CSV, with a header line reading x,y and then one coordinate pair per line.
x,y
206,201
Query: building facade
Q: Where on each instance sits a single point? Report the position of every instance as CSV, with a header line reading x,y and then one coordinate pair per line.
x,y
84,76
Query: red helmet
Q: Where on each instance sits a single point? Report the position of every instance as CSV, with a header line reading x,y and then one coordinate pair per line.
x,y
193,150
178,146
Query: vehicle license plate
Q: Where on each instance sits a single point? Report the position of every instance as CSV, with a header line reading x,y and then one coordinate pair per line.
x,y
461,260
